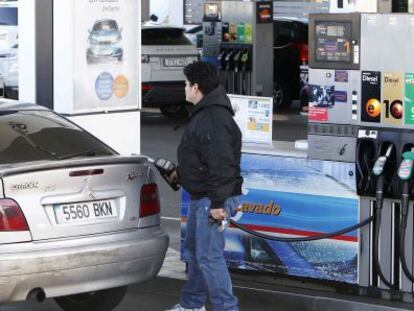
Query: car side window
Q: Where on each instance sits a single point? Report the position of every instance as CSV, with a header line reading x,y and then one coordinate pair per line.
x,y
43,135
283,34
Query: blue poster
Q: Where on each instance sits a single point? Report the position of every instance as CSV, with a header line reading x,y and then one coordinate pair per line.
x,y
294,197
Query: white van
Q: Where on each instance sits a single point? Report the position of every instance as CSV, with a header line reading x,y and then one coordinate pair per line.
x,y
165,52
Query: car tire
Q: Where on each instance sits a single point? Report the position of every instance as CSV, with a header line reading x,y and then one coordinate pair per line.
x,y
175,111
101,300
280,96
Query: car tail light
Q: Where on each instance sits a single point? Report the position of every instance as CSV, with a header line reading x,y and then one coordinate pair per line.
x,y
303,53
146,87
145,58
11,216
150,203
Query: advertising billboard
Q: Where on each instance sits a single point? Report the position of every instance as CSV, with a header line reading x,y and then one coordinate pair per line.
x,y
105,56
9,60
294,197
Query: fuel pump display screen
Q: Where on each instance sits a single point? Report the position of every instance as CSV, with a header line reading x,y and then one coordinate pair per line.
x,y
333,41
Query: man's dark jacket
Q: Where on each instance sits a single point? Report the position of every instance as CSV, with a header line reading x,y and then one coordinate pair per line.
x,y
210,150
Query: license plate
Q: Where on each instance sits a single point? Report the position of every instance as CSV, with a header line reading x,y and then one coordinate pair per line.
x,y
178,61
85,212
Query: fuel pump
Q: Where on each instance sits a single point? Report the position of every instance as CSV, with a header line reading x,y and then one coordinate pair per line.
x,y
369,121
248,44
405,174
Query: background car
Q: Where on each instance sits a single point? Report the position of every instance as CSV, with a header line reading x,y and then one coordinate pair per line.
x,y
290,53
165,52
104,41
195,35
78,222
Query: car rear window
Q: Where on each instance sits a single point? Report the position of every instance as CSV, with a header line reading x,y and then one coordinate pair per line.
x,y
27,136
195,29
164,36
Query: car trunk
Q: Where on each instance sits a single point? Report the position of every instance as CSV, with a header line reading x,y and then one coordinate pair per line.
x,y
69,200
167,62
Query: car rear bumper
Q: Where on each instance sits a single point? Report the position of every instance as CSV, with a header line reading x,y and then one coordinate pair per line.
x,y
155,94
72,266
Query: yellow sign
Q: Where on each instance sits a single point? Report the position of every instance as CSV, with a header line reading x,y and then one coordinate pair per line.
x,y
392,98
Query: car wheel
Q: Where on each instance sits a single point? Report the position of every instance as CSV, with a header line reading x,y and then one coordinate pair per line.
x,y
280,96
101,300
175,111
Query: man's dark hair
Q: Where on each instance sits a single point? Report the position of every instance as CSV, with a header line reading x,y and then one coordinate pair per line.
x,y
204,74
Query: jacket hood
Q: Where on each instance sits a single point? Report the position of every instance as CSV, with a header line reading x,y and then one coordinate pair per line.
x,y
217,97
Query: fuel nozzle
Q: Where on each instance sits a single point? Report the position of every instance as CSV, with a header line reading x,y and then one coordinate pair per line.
x,y
228,59
405,173
378,170
245,57
379,165
221,58
166,169
406,167
236,60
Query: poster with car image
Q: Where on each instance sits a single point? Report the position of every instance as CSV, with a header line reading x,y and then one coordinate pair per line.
x,y
105,55
9,61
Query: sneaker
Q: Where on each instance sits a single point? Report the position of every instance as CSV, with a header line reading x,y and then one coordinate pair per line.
x,y
180,308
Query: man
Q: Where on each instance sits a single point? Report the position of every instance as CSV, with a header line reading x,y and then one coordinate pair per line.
x,y
209,169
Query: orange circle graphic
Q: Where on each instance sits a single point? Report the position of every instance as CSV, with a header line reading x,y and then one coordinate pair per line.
x,y
121,86
373,108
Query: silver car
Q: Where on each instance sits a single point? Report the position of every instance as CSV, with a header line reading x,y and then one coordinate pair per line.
x,y
165,51
104,41
78,222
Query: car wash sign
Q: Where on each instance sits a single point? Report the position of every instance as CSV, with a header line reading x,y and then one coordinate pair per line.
x,y
96,66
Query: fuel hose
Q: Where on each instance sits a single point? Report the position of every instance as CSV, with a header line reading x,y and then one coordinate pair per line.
x,y
378,209
403,229
302,239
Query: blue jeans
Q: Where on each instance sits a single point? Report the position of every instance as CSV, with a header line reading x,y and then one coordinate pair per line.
x,y
207,269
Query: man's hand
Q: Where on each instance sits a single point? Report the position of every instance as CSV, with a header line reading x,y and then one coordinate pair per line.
x,y
173,177
218,213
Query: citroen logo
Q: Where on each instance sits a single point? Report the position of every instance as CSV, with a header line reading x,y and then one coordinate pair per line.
x,y
134,175
90,193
